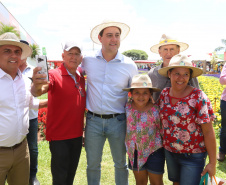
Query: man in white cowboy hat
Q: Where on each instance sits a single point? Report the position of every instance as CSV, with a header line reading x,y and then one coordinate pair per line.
x,y
66,107
167,48
15,101
108,72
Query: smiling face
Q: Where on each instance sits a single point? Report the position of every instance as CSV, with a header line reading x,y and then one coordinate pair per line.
x,y
167,52
179,78
141,97
72,59
110,40
10,59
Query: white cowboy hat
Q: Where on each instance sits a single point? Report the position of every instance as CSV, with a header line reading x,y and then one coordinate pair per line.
x,y
97,29
142,81
9,38
180,61
166,40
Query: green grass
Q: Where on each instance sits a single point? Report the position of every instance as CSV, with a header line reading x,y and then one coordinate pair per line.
x,y
107,172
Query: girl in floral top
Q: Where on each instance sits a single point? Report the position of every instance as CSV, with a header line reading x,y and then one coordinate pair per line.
x,y
186,115
143,139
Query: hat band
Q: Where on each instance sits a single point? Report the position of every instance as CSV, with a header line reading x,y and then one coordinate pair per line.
x,y
167,40
139,84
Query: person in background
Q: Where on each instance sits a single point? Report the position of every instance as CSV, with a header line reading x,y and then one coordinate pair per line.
x,y
65,118
167,47
32,136
222,148
15,101
186,115
143,139
108,72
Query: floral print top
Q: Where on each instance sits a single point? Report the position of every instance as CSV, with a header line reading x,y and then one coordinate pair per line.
x,y
143,131
182,121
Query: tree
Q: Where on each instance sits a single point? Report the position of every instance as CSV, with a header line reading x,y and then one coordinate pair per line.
x,y
221,47
135,54
35,50
7,28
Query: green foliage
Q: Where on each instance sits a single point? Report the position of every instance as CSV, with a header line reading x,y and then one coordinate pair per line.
x,y
135,54
222,47
7,28
35,50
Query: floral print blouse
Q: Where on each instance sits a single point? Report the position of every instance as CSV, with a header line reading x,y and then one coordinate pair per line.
x,y
182,121
143,131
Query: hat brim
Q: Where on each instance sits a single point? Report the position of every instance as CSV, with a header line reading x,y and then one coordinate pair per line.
x,y
196,71
97,29
183,46
26,50
142,87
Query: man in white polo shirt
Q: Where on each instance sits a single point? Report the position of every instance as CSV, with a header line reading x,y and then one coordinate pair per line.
x,y
15,100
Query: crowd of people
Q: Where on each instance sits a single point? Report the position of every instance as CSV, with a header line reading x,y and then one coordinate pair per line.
x,y
166,117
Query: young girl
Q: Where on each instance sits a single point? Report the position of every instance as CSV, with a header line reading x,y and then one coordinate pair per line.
x,y
143,140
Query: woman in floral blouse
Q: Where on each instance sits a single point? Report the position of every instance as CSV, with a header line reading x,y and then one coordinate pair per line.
x,y
143,140
186,116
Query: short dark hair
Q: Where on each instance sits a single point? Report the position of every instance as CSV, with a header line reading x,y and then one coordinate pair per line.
x,y
102,31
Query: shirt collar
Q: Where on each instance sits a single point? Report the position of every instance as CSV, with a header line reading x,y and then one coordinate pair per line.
x,y
118,57
3,73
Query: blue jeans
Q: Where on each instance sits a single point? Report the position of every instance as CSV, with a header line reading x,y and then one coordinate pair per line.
x,y
185,168
33,146
97,131
222,147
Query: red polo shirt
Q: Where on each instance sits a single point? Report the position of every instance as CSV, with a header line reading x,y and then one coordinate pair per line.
x,y
66,106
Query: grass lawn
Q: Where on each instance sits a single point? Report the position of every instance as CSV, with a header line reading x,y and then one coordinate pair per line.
x,y
107,176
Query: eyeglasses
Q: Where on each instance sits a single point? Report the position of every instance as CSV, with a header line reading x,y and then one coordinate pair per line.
x,y
77,85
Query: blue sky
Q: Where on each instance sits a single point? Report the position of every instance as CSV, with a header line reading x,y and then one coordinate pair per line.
x,y
200,23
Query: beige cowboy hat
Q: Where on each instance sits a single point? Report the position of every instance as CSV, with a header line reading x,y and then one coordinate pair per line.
x,y
97,29
142,81
9,38
166,40
180,61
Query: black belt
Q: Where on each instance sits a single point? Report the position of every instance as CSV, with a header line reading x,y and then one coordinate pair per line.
x,y
104,116
12,147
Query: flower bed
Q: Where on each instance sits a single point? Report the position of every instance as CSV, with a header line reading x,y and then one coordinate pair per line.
x,y
42,116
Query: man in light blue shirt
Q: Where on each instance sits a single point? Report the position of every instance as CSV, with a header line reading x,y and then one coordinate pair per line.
x,y
108,72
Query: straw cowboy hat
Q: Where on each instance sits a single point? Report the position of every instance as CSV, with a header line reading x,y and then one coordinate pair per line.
x,y
142,81
180,61
9,38
166,40
97,29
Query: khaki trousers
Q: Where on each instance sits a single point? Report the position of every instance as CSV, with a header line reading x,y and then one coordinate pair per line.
x,y
14,165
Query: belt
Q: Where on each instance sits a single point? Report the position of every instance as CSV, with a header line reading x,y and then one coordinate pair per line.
x,y
104,116
14,146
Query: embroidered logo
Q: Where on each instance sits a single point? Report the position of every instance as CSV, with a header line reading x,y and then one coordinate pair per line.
x,y
145,84
182,63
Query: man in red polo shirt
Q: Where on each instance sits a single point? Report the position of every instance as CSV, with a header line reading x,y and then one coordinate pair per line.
x,y
66,106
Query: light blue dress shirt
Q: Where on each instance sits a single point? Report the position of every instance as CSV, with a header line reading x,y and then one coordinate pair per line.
x,y
105,81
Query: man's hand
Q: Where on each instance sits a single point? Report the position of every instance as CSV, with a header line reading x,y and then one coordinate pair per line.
x,y
39,84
